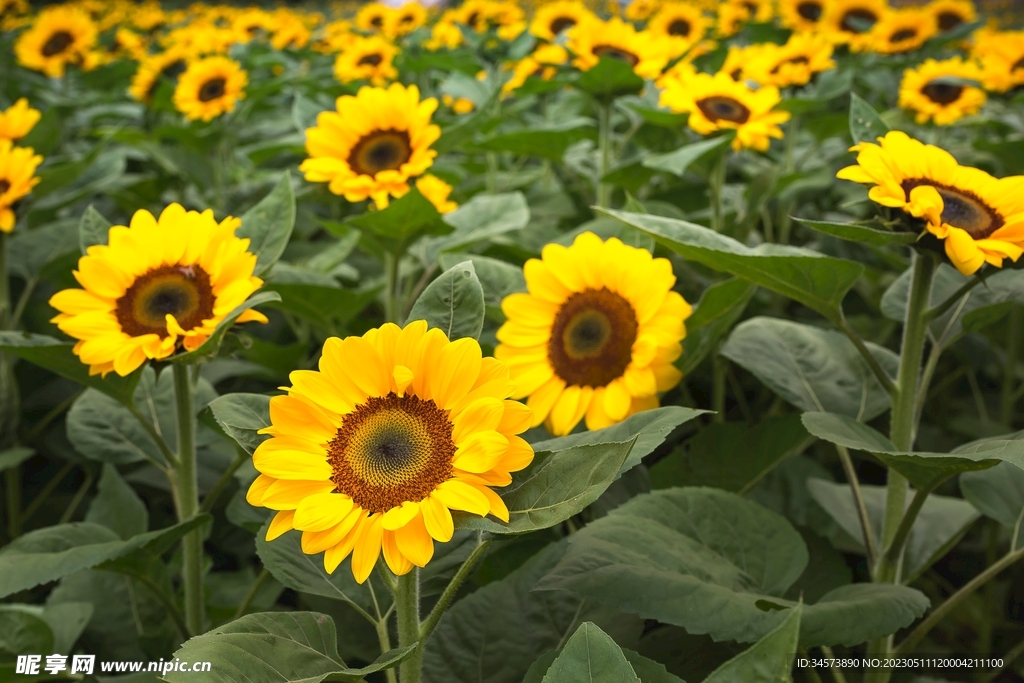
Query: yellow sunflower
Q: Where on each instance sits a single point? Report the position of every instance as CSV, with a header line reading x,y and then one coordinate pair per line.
x,y
159,284
290,31
759,11
334,37
542,63
903,30
730,19
596,334
406,19
941,91
638,10
980,218
445,35
59,36
553,18
17,178
18,120
952,13
740,60
591,40
372,17
366,59
459,105
210,87
794,63
719,103
251,23
374,450
480,15
147,16
1001,54
373,144
682,24
802,15
850,21
128,43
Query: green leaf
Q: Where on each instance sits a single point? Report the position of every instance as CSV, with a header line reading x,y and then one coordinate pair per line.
x,y
720,306
649,670
22,632
104,430
405,219
57,357
67,620
93,229
498,278
211,346
715,563
855,232
610,78
819,282
117,506
769,660
998,493
590,656
482,218
326,307
453,303
275,647
268,225
241,416
555,487
547,141
304,112
30,250
865,123
12,457
812,368
676,162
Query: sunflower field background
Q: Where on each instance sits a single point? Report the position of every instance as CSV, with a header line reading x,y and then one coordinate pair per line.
x,y
507,342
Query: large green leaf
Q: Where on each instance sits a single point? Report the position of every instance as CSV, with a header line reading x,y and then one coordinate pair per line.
x,y
241,416
812,368
720,306
453,303
865,123
268,225
610,78
498,279
404,219
482,218
275,647
102,429
548,141
30,250
93,229
211,346
12,457
325,307
998,493
715,563
21,632
590,656
769,660
865,234
117,506
819,282
676,162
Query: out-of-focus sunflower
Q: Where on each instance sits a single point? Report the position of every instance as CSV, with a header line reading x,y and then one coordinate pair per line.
x,y
406,19
794,63
591,40
543,63
290,32
680,23
14,14
210,87
169,64
445,34
372,451
942,91
596,334
719,103
372,17
333,37
437,192
903,30
367,59
952,13
17,120
59,36
638,10
373,144
739,60
17,178
1001,54
850,21
128,43
760,11
156,286
251,23
481,15
147,16
979,218
730,19
459,105
802,15
553,18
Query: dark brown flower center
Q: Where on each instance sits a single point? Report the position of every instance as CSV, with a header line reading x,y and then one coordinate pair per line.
x,y
212,89
57,43
390,450
858,20
793,60
721,108
4,185
903,34
174,69
618,53
560,24
811,11
377,21
942,93
182,291
949,20
370,60
962,209
1019,64
592,338
381,150
680,27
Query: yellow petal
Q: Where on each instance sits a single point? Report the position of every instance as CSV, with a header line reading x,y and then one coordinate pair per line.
x,y
397,562
286,494
321,511
482,415
282,524
437,518
367,548
480,451
457,495
396,518
414,541
259,486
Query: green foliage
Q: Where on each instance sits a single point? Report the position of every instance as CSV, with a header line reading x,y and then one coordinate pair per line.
x,y
453,303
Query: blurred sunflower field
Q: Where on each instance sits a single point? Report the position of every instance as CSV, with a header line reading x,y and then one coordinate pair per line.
x,y
501,342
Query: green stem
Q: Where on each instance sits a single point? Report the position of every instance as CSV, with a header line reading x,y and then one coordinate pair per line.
x,y
254,590
895,549
407,605
384,638
876,369
1007,400
8,402
222,483
858,500
69,511
604,144
188,499
715,183
167,602
451,590
391,263
718,381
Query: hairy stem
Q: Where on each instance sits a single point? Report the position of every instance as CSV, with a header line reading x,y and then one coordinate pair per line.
x,y
407,604
188,499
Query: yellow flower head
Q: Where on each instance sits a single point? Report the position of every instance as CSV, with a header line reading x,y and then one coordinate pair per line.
x,y
210,87
334,37
504,15
169,64
591,40
445,35
980,218
795,63
802,15
147,16
251,23
681,23
290,32
720,103
128,43
17,178
903,30
941,91
740,60
850,21
952,13
730,19
373,144
366,59
759,11
596,334
638,10
1001,54
374,450
157,285
437,192
18,120
542,63
406,19
372,17
553,18
60,35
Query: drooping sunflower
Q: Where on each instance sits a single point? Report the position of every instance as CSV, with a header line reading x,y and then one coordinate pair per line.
x,y
941,91
159,284
553,18
373,144
169,65
367,59
903,30
952,13
1001,54
802,15
210,87
980,218
17,120
374,450
794,63
593,39
596,334
17,178
850,21
59,36
681,23
719,103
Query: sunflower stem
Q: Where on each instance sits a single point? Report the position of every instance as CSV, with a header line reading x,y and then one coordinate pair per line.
x,y
718,387
187,485
391,262
9,410
407,606
604,142
715,183
430,623
1007,399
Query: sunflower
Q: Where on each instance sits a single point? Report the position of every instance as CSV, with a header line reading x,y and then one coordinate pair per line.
x,y
168,64
374,450
1001,54
593,39
759,11
18,120
445,35
952,13
851,21
638,10
17,178
979,218
372,17
147,16
481,15
730,19
374,143
680,23
289,32
903,30
437,192
795,63
251,23
59,36
942,91
739,60
156,283
596,334
554,17
128,43
406,19
542,63
333,37
802,15
367,58
210,87
720,103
